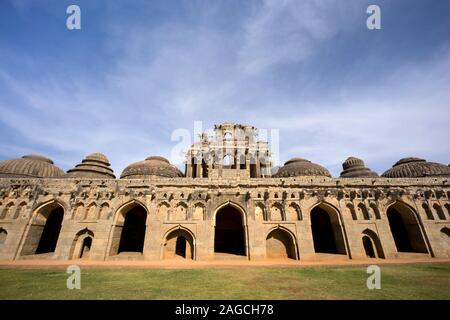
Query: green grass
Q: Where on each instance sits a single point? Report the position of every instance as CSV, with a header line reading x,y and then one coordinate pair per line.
x,y
397,282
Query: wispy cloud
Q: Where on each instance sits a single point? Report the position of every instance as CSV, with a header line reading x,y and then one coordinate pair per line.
x,y
275,64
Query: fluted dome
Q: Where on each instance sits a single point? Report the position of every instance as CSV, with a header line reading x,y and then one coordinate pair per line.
x,y
297,167
355,168
416,167
30,166
152,166
95,165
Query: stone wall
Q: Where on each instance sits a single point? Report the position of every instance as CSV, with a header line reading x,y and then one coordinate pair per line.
x,y
276,217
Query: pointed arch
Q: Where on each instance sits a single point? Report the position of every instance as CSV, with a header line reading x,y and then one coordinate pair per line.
x,y
281,243
439,211
447,207
164,210
104,212
363,210
445,235
230,232
21,209
375,210
52,202
228,161
372,244
199,211
79,211
91,211
234,205
352,211
129,228
178,242
3,235
82,244
180,212
446,231
276,212
293,212
42,234
326,227
428,212
405,228
260,212
7,210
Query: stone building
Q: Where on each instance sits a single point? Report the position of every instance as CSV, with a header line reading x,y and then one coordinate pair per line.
x,y
227,205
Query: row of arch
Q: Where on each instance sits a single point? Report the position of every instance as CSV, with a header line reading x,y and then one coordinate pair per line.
x,y
438,211
276,212
10,211
362,212
230,234
92,212
180,212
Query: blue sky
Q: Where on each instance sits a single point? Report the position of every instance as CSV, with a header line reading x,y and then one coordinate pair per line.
x,y
139,70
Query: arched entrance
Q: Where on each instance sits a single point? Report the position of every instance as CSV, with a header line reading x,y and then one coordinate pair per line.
x,y
280,245
3,235
86,248
405,229
179,244
82,244
326,231
445,235
129,230
372,244
133,233
229,234
43,233
368,247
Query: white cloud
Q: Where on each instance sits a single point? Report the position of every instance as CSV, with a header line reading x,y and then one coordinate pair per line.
x,y
286,31
169,75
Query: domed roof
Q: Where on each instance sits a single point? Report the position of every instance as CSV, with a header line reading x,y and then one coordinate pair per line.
x,y
31,166
95,165
301,167
152,166
416,167
355,168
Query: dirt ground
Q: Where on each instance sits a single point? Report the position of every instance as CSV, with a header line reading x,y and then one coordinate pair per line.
x,y
189,264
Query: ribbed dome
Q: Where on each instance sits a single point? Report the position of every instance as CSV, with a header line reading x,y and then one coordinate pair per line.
x,y
416,167
152,166
355,168
301,167
31,166
95,165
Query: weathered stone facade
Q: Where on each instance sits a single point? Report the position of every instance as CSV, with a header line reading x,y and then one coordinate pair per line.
x,y
222,210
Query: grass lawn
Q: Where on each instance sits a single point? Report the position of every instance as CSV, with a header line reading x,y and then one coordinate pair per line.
x,y
397,282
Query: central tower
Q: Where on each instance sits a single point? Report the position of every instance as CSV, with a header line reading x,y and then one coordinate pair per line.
x,y
233,151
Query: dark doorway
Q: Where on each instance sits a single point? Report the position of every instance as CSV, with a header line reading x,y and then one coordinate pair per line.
x,y
322,230
253,169
405,230
368,247
229,233
133,233
180,247
204,169
51,231
86,247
